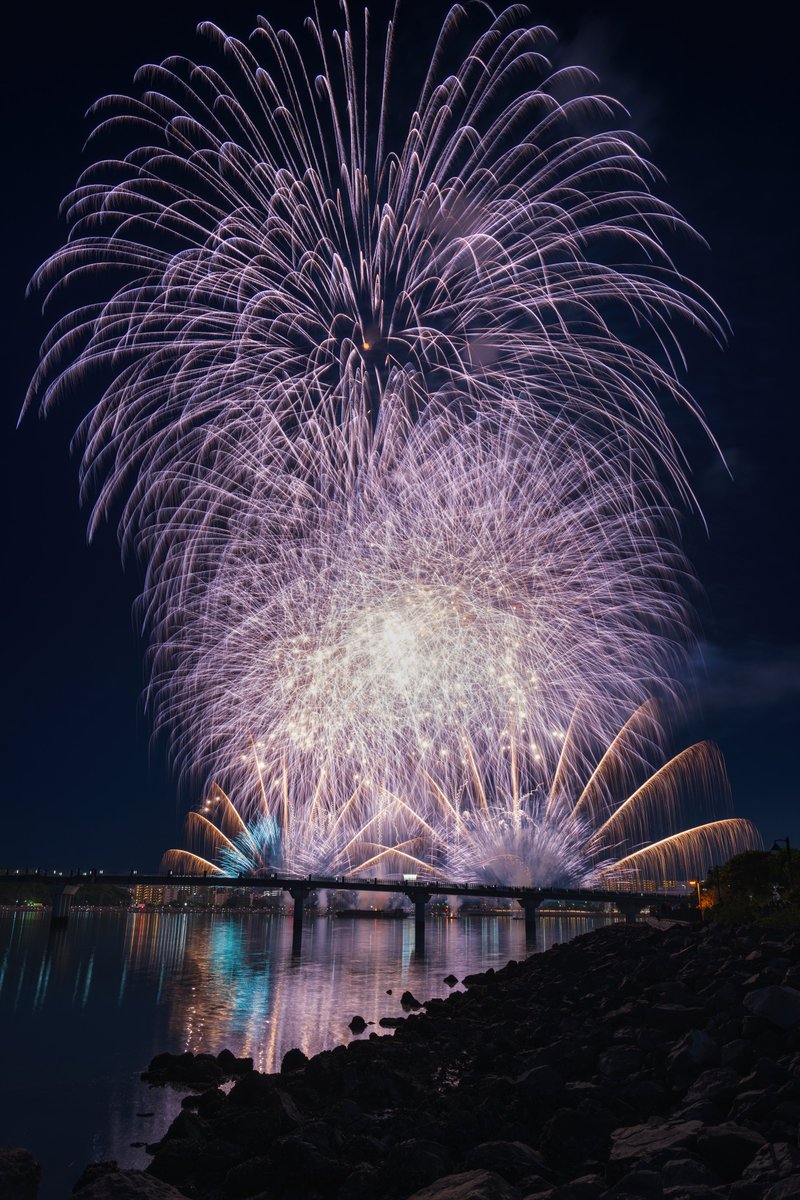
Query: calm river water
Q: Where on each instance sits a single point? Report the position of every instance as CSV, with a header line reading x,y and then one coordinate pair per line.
x,y
83,1010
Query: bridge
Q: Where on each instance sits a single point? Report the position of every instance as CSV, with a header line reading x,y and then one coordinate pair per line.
x,y
64,885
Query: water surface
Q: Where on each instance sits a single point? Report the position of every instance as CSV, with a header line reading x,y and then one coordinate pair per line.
x,y
84,1009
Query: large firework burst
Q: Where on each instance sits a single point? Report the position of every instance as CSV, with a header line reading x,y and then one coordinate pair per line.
x,y
384,416
465,585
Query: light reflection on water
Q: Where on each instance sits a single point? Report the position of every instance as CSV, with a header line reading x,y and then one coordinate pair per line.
x,y
83,1010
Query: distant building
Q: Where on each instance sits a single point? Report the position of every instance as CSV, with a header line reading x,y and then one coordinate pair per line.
x,y
148,893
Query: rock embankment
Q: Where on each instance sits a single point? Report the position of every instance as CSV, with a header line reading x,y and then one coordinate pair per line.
x,y
633,1062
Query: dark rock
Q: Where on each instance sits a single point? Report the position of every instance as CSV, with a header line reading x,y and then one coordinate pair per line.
x,y
694,1051
120,1185
572,1137
361,1184
775,1161
620,1061
251,1129
186,1127
248,1178
766,1074
94,1171
686,1171
675,1018
409,1001
638,1184
512,1160
753,1105
253,1089
718,1084
217,1157
413,1164
696,1191
260,1091
534,1185
198,1071
743,1189
293,1060
786,1189
642,1143
346,1113
540,1084
298,1163
450,980
702,1110
363,1148
736,1053
391,1022
472,981
585,1187
233,1066
174,1160
644,1096
777,1004
728,1149
468,1185
19,1174
358,1024
210,1102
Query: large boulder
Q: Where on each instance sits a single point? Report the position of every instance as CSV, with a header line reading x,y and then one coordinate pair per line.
x,y
777,1004
113,1184
688,1172
293,1060
19,1174
192,1070
572,1137
775,1161
412,1164
718,1085
644,1143
729,1148
619,1061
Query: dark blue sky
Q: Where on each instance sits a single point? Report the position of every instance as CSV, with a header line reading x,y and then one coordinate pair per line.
x,y
715,99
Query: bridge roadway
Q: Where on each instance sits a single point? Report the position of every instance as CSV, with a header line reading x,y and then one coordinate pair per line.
x,y
64,885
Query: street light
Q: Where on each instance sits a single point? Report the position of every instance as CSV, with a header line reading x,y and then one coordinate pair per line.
x,y
785,842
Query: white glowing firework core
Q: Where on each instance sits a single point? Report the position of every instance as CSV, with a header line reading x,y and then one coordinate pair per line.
x,y
393,641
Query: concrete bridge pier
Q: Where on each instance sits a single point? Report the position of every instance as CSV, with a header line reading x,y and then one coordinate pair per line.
x,y
630,910
299,895
530,906
62,903
419,899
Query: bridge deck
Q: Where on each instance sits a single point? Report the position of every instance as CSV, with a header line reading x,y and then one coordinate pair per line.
x,y
409,887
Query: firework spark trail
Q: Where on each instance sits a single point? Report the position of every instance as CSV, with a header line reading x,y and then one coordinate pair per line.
x,y
604,818
384,419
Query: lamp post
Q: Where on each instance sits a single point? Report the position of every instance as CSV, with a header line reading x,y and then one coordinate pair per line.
x,y
785,842
696,884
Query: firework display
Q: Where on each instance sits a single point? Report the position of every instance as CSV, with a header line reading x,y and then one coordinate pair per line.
x,y
604,817
384,416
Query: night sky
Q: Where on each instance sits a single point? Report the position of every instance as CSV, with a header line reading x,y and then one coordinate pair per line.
x,y
82,783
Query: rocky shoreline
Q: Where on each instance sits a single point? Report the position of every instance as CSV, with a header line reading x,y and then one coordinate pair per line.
x,y
636,1061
